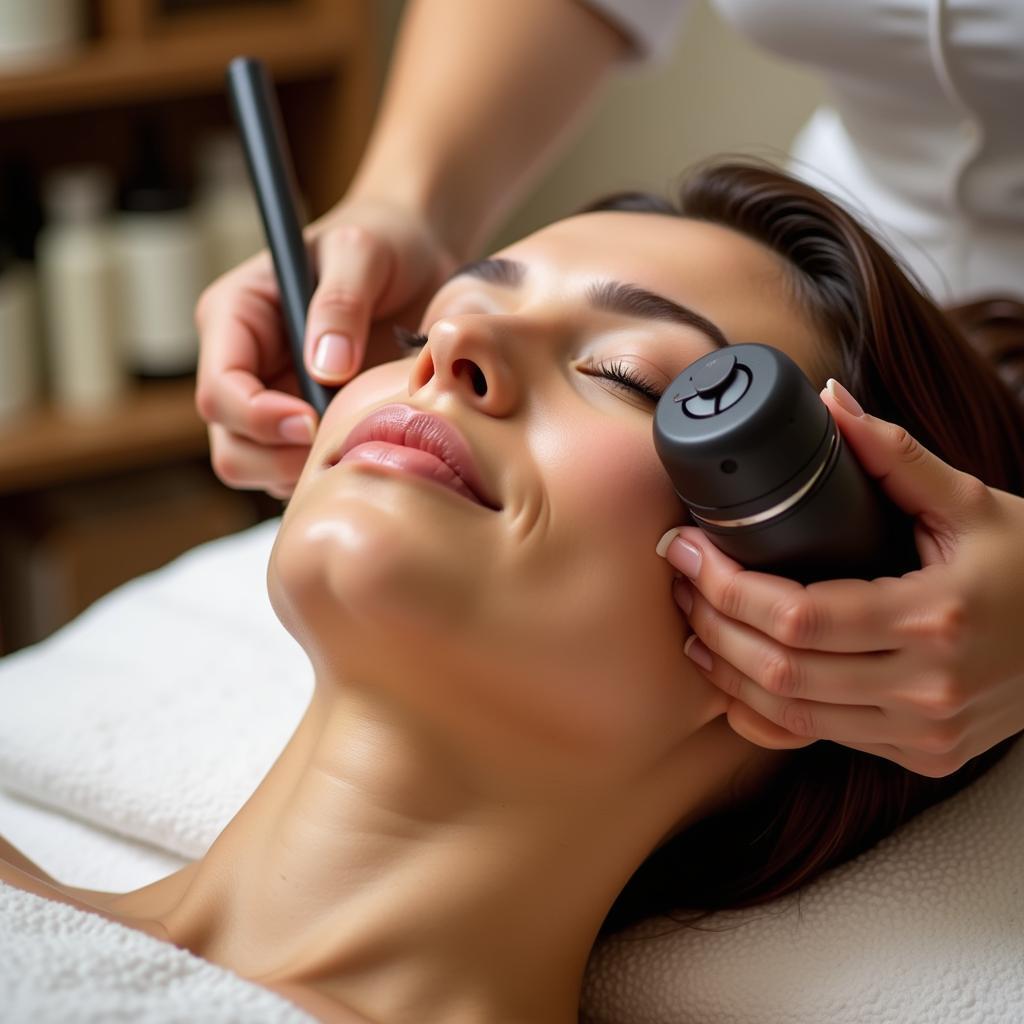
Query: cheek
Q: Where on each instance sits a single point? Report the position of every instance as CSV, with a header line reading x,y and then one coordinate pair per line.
x,y
604,634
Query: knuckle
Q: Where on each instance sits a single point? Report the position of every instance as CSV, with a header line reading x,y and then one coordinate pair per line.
x,y
906,446
780,675
949,624
226,465
206,402
796,622
730,681
943,697
730,597
972,493
353,236
334,299
797,718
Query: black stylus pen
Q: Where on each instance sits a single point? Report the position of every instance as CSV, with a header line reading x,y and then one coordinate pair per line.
x,y
259,121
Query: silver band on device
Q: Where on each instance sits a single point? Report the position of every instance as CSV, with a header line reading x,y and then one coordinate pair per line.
x,y
782,506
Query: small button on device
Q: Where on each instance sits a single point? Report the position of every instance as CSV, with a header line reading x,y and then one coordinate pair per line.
x,y
720,382
713,374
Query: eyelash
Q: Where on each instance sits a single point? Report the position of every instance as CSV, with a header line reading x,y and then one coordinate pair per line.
x,y
617,372
627,377
407,340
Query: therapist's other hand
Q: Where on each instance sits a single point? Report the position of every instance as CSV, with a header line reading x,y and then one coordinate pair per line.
x,y
374,261
926,670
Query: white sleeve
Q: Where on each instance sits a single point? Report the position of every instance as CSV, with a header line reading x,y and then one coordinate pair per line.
x,y
652,25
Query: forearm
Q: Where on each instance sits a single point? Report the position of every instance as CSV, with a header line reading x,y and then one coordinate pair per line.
x,y
479,97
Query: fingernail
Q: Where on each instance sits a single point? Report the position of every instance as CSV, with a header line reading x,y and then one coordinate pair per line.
x,y
697,652
843,397
683,593
297,429
685,557
334,356
666,539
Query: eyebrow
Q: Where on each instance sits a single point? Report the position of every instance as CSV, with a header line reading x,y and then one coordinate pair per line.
x,y
611,296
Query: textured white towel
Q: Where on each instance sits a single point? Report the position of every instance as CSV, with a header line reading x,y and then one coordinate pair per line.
x,y
926,928
58,964
157,712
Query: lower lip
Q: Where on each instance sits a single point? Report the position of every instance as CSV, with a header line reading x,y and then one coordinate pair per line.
x,y
410,460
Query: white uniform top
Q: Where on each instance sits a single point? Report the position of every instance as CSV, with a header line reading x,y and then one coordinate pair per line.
x,y
923,134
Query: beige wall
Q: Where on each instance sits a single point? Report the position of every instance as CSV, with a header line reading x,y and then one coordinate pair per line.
x,y
717,94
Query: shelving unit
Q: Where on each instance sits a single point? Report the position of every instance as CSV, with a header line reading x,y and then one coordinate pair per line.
x,y
155,423
320,52
88,503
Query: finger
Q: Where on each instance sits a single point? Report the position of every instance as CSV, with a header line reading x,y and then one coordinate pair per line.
x,y
787,674
835,615
241,351
246,465
757,729
246,409
934,766
915,478
799,720
354,271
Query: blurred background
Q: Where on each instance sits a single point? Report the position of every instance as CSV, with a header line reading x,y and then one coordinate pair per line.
x,y
123,193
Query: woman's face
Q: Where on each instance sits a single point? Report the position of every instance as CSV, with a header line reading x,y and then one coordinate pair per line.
x,y
541,633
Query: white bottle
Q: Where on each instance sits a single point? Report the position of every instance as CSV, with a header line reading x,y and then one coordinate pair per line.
x,y
225,204
19,361
161,271
38,31
77,285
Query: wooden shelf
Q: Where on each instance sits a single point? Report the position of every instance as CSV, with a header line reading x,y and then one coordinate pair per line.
x,y
155,422
187,56
87,502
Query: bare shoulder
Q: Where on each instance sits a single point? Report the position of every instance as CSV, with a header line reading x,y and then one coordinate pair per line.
x,y
19,871
16,869
11,856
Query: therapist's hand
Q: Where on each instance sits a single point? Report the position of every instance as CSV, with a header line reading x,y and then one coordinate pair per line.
x,y
373,260
926,670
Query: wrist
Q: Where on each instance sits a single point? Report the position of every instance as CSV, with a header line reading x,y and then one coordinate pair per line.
x,y
431,198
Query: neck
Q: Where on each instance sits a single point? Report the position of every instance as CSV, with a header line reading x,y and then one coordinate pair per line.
x,y
371,867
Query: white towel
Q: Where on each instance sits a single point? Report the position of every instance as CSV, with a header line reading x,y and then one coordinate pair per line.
x,y
59,964
157,712
926,928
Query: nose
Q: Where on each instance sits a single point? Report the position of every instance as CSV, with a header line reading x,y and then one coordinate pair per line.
x,y
468,355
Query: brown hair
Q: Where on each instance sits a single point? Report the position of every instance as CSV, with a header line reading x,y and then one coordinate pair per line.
x,y
905,361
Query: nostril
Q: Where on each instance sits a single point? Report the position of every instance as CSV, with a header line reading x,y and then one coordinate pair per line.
x,y
476,374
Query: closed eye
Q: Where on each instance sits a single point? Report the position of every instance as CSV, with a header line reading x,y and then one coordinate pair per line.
x,y
627,377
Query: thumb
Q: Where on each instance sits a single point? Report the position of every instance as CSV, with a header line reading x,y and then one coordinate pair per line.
x,y
917,480
354,269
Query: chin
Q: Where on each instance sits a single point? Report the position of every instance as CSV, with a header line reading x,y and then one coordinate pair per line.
x,y
353,567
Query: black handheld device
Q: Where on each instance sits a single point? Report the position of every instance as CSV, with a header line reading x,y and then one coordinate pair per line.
x,y
759,462
259,122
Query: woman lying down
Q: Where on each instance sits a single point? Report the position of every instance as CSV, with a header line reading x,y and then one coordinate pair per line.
x,y
507,751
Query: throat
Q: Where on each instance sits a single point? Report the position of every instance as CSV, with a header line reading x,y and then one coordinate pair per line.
x,y
386,888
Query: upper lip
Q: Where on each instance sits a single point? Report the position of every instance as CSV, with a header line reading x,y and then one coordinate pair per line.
x,y
413,428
